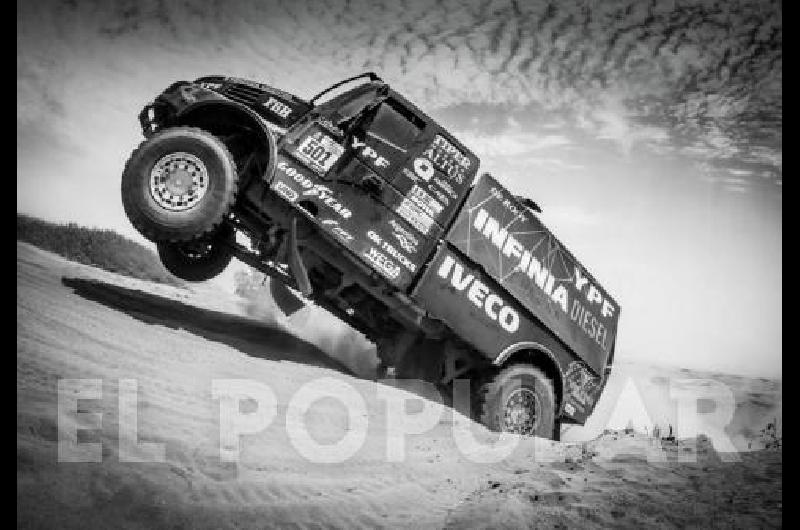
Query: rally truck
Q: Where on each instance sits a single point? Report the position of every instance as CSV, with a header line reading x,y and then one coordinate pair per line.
x,y
357,201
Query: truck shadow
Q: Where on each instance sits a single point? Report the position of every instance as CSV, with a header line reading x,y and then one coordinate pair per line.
x,y
257,339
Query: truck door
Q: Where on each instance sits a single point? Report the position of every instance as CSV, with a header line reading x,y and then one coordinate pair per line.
x,y
427,169
391,233
357,181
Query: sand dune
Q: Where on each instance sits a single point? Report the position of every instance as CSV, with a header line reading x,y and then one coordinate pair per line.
x,y
74,321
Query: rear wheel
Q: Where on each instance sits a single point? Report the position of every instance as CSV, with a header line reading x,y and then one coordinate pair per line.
x,y
179,184
198,260
518,399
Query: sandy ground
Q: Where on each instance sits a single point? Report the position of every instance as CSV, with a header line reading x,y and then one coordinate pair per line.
x,y
74,321
648,396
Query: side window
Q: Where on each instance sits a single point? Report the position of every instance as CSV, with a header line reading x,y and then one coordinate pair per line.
x,y
395,126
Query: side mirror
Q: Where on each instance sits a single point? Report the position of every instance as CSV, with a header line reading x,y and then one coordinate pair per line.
x,y
528,203
348,123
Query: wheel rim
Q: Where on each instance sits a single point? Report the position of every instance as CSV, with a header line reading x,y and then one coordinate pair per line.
x,y
178,181
520,414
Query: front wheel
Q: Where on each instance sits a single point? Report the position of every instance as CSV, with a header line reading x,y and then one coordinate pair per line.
x,y
179,185
198,260
518,399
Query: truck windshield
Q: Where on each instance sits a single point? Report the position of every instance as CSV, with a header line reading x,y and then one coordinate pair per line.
x,y
394,127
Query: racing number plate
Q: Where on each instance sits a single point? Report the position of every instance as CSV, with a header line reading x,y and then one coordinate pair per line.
x,y
319,151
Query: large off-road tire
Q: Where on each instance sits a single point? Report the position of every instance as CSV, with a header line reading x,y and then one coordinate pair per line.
x,y
198,260
519,399
179,184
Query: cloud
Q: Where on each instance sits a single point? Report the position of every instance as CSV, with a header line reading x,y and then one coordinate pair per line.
x,y
553,164
511,144
737,189
700,79
612,124
564,216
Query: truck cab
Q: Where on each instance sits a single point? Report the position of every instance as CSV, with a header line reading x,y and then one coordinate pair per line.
x,y
378,175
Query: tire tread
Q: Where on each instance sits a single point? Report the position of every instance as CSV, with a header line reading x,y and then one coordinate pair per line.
x,y
492,385
140,221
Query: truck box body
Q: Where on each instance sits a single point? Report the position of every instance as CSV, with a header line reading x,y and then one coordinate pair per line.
x,y
462,294
530,264
504,283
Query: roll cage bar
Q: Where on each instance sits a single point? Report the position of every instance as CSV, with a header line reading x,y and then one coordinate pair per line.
x,y
372,77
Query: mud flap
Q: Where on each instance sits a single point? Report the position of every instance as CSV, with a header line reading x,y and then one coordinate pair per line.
x,y
285,299
296,263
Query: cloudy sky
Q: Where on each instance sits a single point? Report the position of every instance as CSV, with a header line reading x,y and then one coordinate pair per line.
x,y
649,132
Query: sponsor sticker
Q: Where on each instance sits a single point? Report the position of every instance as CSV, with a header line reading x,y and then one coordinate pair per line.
x,y
580,384
428,204
415,216
370,154
285,191
494,306
410,174
571,291
319,151
389,249
330,126
311,189
278,107
447,158
384,265
423,168
341,233
210,85
441,197
325,195
408,241
446,186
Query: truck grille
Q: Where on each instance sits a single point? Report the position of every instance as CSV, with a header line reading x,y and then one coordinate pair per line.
x,y
243,94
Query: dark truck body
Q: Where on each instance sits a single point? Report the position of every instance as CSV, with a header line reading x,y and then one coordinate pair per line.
x,y
527,291
401,236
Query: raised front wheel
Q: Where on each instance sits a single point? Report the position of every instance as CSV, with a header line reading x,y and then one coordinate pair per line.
x,y
179,185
